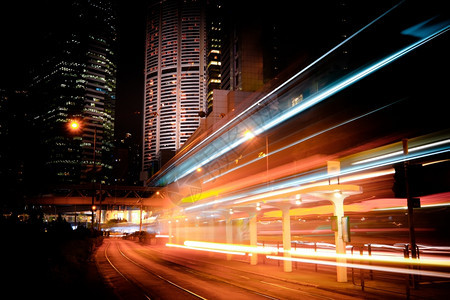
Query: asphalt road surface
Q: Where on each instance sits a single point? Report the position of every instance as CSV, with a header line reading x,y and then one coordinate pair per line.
x,y
135,271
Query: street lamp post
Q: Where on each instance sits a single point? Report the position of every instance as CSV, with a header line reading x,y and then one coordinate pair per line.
x,y
75,125
93,179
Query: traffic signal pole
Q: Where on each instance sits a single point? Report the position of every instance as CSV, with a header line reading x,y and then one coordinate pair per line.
x,y
412,235
409,200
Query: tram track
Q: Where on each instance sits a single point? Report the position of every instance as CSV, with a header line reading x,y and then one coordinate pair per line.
x,y
258,286
137,286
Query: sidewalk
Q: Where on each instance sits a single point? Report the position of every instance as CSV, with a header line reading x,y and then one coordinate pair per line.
x,y
325,277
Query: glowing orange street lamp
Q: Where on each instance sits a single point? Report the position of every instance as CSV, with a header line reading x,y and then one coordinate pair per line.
x,y
74,125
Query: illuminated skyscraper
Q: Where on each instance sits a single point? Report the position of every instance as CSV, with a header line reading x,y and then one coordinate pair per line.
x,y
215,23
77,80
175,77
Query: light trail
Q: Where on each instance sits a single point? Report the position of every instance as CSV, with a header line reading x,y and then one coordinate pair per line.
x,y
259,102
215,151
229,247
405,207
397,153
239,249
373,258
301,141
204,249
365,267
320,178
320,96
331,90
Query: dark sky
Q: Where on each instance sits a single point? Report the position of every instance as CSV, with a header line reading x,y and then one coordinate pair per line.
x,y
130,74
20,24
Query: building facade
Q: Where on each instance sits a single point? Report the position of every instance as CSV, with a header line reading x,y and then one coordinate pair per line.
x,y
76,81
214,23
175,77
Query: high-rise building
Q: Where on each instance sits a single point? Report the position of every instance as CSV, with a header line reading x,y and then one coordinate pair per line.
x,y
214,27
175,77
77,81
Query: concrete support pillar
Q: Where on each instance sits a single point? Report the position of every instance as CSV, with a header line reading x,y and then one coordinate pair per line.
x,y
211,231
186,230
129,216
177,231
198,232
253,237
229,232
287,264
104,217
170,231
338,203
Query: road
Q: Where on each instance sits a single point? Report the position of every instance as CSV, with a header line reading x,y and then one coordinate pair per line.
x,y
135,271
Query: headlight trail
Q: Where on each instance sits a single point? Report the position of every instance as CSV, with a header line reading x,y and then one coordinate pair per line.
x,y
204,249
229,247
308,255
319,178
217,148
257,103
302,140
365,267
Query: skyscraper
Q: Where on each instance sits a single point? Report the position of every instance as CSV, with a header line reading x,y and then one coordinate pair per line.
x,y
76,81
175,75
214,23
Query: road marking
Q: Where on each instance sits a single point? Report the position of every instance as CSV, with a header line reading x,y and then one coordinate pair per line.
x,y
280,286
245,277
298,291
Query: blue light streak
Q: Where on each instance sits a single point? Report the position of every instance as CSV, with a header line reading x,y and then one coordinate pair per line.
x,y
274,91
301,141
320,96
267,97
218,147
302,179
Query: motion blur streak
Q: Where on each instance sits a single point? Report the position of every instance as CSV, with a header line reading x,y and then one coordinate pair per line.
x,y
396,153
217,148
242,249
365,267
298,142
230,247
260,101
204,249
424,146
373,258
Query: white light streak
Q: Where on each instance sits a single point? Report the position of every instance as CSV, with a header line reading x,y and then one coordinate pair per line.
x,y
365,267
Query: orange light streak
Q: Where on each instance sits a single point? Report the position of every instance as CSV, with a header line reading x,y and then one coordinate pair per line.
x,y
230,247
307,253
366,267
204,249
373,258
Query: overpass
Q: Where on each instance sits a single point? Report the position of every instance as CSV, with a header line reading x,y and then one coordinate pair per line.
x,y
114,195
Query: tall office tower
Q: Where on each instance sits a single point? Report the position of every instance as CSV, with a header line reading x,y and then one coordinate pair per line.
x,y
77,81
214,23
175,87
